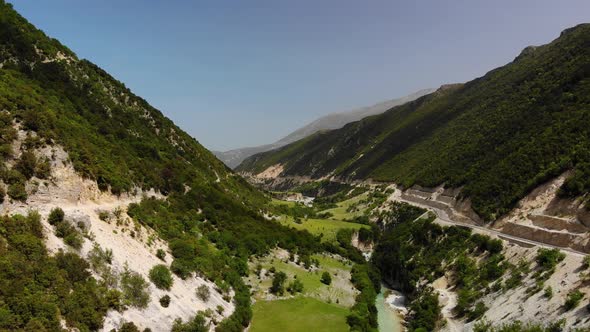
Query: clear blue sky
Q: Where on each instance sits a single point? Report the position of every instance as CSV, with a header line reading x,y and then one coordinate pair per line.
x,y
241,73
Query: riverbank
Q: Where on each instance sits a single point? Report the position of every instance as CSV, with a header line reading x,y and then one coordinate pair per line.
x,y
391,309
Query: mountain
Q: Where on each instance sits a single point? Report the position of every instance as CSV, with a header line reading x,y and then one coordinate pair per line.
x,y
100,192
233,158
495,138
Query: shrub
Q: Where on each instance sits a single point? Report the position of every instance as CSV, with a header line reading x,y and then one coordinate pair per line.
x,y
278,283
104,216
295,287
548,292
128,327
113,299
18,191
161,254
181,269
161,276
98,258
43,169
478,311
548,258
203,293
69,234
165,301
573,299
74,240
134,288
197,324
326,278
56,216
26,164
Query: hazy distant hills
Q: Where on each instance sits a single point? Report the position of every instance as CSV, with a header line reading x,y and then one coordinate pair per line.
x,y
233,158
496,136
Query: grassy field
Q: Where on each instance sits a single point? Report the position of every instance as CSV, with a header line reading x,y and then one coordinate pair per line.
x,y
341,291
328,227
341,213
298,314
281,202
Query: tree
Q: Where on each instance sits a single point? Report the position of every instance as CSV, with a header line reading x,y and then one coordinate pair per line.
x,y
573,299
203,293
295,286
161,254
165,301
161,277
26,164
326,278
134,288
278,283
56,216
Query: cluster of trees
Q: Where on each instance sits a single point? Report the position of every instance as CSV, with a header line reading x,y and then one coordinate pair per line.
x,y
64,229
411,251
37,290
236,230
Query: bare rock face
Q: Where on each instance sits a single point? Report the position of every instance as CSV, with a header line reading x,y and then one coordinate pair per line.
x,y
545,217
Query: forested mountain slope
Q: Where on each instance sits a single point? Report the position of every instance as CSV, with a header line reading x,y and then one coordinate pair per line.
x,y
80,155
497,137
233,158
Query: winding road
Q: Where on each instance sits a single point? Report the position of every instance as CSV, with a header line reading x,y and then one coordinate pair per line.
x,y
443,219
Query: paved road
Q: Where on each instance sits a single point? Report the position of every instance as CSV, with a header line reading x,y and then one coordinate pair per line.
x,y
443,218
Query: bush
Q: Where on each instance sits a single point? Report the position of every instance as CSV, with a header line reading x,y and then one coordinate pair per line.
x,y
26,164
197,324
74,240
278,283
165,301
548,292
99,258
69,234
326,278
134,288
181,269
161,277
295,287
128,327
548,258
573,299
56,216
161,254
43,169
104,216
18,191
113,298
203,293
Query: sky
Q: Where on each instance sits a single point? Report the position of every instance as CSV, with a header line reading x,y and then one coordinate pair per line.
x,y
236,73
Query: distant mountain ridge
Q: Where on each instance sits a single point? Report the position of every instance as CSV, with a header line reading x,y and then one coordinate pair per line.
x,y
233,158
495,137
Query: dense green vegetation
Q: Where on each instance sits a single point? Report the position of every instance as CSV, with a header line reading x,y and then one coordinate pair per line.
x,y
37,290
519,326
498,136
111,135
411,251
161,277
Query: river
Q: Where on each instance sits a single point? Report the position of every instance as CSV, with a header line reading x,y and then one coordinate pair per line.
x,y
388,318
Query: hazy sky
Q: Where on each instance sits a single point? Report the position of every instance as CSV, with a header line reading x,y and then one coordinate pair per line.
x,y
247,72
